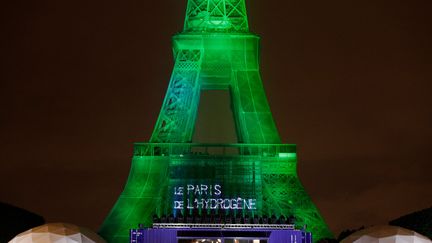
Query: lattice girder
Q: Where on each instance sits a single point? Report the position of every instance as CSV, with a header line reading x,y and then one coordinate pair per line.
x,y
217,61
175,123
216,16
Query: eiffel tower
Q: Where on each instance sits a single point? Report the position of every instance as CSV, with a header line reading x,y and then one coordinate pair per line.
x,y
169,174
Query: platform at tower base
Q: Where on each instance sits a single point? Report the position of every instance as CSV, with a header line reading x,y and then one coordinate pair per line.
x,y
223,233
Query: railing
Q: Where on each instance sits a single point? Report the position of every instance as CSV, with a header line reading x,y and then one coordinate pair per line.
x,y
202,149
221,226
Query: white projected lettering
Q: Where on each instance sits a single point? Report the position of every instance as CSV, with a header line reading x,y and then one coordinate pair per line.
x,y
211,200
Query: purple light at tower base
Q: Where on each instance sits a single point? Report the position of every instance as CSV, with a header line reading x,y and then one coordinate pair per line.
x,y
188,233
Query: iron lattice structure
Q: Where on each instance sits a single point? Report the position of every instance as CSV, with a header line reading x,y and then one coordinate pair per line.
x,y
215,51
216,16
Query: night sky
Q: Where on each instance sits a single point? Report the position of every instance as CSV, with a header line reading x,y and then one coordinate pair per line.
x,y
349,82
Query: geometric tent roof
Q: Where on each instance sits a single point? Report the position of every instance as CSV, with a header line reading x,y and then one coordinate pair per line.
x,y
58,233
386,234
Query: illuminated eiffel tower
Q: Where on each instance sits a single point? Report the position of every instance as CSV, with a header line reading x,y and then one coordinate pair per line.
x,y
170,175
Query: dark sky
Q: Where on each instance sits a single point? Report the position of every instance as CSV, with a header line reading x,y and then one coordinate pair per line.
x,y
348,81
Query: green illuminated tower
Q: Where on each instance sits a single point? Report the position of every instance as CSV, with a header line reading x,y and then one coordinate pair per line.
x,y
215,51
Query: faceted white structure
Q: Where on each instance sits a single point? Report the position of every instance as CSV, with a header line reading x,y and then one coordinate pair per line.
x,y
57,233
386,234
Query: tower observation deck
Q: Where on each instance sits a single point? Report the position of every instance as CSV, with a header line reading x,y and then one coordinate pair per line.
x,y
173,177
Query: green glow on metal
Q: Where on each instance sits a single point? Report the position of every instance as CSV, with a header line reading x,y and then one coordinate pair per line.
x,y
215,51
288,155
216,16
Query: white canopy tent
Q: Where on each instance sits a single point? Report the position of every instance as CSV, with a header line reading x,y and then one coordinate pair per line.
x,y
58,233
386,234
